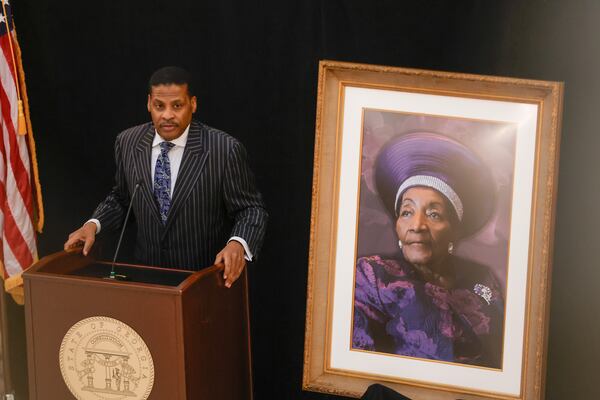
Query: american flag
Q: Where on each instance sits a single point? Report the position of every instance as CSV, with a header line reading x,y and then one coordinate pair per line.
x,y
19,186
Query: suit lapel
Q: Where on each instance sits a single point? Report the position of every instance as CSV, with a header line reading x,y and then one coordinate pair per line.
x,y
143,157
192,164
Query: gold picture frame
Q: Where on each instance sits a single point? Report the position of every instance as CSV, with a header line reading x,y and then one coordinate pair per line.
x,y
359,108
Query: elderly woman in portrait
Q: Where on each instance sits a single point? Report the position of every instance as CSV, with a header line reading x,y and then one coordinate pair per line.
x,y
427,302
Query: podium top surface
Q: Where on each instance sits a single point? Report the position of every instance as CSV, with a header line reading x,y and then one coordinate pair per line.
x,y
76,266
129,273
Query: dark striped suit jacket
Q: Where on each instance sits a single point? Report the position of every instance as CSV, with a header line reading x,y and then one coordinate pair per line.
x,y
215,197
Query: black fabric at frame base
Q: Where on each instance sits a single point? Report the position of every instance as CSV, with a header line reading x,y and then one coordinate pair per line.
x,y
380,392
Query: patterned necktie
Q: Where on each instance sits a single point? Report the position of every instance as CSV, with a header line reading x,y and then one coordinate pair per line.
x,y
162,180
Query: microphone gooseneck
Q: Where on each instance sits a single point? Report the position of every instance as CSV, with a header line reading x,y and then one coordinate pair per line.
x,y
113,275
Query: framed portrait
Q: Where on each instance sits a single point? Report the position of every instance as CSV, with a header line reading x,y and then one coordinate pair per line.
x,y
431,233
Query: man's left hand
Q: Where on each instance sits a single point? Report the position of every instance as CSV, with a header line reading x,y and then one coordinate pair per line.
x,y
233,258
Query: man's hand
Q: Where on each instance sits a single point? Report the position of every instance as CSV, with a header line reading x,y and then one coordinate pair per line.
x,y
233,258
86,235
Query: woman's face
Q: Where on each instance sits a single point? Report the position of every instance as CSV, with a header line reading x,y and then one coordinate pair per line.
x,y
424,226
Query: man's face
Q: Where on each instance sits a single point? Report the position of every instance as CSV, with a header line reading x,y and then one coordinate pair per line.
x,y
171,109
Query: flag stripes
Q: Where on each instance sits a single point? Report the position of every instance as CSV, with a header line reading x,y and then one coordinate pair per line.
x,y
16,201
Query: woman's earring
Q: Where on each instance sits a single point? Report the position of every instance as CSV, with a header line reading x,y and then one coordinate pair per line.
x,y
450,248
400,243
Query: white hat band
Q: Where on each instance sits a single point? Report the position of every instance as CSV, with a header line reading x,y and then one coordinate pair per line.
x,y
434,183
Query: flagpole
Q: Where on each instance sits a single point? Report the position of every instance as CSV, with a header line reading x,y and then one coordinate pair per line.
x,y
21,124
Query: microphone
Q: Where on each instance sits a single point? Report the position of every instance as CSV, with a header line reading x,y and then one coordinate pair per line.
x,y
113,275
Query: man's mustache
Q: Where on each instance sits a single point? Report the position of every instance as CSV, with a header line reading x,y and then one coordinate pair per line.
x,y
169,123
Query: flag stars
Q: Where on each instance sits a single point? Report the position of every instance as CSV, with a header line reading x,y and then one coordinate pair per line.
x,y
2,19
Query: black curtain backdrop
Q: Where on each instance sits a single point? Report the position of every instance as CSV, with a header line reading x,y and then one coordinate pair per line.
x,y
256,63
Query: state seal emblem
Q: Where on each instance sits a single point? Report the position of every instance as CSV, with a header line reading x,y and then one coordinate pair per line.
x,y
102,358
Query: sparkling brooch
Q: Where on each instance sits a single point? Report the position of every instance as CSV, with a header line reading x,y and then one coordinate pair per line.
x,y
483,291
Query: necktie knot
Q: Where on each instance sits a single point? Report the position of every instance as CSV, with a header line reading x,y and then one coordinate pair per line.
x,y
165,147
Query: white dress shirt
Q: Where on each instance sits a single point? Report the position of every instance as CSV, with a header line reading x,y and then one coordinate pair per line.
x,y
175,156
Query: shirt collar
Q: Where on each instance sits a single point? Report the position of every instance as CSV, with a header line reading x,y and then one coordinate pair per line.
x,y
180,141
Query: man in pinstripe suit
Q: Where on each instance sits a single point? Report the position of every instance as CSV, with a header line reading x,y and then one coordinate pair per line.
x,y
197,203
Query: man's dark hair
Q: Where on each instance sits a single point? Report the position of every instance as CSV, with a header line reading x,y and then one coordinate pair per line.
x,y
171,76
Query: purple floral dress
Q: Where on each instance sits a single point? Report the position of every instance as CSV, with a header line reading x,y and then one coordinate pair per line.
x,y
397,312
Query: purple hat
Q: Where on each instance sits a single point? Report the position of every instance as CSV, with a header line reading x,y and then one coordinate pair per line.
x,y
441,163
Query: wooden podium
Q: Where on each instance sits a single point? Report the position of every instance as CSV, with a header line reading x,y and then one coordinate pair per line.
x,y
182,333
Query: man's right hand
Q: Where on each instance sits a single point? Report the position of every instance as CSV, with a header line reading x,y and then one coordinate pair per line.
x,y
86,235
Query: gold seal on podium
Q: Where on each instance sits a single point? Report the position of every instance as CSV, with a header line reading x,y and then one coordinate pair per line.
x,y
102,358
